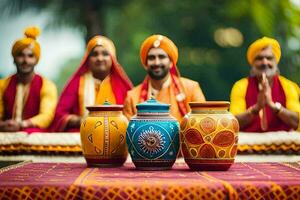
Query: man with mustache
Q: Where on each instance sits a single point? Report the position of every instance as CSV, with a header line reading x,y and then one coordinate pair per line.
x,y
159,56
27,100
265,101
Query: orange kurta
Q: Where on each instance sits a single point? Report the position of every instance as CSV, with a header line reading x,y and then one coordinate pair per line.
x,y
191,89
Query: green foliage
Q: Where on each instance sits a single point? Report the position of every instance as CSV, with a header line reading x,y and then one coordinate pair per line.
x,y
191,24
260,11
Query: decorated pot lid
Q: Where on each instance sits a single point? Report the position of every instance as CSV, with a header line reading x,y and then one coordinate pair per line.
x,y
152,106
106,106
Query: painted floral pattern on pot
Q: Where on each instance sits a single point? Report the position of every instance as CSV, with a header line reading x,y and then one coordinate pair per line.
x,y
209,136
153,137
151,141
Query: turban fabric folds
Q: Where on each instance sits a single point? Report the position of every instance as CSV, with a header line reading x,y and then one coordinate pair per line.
x,y
101,41
260,44
158,41
29,40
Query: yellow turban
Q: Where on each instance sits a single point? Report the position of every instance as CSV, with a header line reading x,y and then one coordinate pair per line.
x,y
260,44
158,41
28,41
101,41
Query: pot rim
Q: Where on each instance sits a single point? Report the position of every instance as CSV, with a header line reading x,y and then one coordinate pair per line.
x,y
216,104
105,108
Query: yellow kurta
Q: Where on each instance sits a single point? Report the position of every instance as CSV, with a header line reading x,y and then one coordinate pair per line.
x,y
239,89
191,89
48,101
3,85
47,105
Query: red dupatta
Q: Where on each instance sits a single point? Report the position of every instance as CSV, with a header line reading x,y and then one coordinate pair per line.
x,y
69,99
119,80
278,95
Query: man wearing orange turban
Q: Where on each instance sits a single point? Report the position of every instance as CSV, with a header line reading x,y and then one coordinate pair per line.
x,y
27,100
159,56
265,101
99,78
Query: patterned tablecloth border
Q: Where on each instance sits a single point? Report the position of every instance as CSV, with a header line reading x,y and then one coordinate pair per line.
x,y
14,166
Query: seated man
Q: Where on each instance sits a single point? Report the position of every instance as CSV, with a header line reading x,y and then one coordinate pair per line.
x,y
27,100
265,101
100,77
159,56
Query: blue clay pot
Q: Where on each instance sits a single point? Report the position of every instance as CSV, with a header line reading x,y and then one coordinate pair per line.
x,y
153,136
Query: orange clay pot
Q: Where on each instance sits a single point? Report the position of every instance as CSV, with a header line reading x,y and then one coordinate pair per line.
x,y
103,136
209,136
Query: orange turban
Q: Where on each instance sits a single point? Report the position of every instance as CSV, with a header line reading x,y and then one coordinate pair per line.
x,y
101,41
158,41
260,44
29,41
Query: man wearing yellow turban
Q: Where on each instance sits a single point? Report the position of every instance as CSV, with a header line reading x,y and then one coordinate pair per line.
x,y
265,101
159,56
27,100
99,78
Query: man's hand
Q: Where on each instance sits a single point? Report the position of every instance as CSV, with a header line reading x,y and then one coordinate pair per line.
x,y
261,100
266,89
74,121
10,126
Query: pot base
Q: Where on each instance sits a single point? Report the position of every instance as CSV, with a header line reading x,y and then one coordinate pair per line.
x,y
209,165
153,165
153,168
116,162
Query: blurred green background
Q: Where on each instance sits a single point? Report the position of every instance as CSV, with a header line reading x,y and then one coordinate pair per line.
x,y
212,35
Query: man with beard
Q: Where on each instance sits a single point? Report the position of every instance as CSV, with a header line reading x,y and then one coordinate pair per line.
x,y
27,100
159,56
265,101
99,78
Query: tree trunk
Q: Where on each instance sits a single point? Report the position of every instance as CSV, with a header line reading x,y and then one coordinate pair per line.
x,y
95,18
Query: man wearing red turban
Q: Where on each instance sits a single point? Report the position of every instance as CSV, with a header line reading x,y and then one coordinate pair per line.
x,y
99,78
265,101
159,56
27,100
